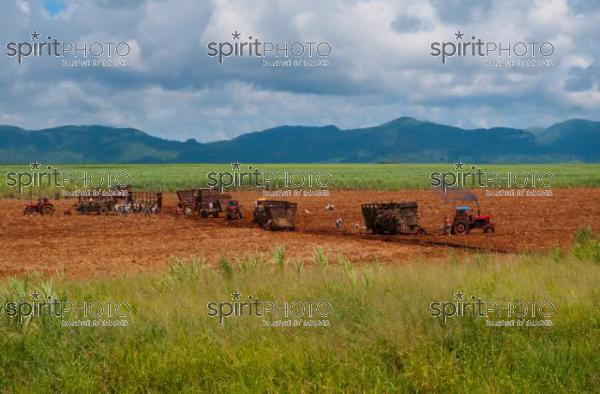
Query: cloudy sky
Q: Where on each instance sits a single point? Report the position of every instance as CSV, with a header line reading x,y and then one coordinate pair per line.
x,y
380,67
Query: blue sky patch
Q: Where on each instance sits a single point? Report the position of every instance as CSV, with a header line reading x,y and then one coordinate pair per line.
x,y
54,7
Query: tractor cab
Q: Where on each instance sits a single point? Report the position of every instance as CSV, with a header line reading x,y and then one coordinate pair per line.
x,y
463,210
39,201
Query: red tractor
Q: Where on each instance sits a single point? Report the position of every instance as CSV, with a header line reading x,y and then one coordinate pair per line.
x,y
464,221
43,206
233,210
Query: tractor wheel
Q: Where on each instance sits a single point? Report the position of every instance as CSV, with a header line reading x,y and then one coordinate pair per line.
x,y
47,210
204,214
460,226
188,210
488,229
229,216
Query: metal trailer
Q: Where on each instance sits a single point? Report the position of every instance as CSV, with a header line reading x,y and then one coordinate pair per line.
x,y
104,204
205,201
276,215
150,198
100,205
392,218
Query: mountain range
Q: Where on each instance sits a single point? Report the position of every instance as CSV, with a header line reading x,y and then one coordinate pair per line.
x,y
401,140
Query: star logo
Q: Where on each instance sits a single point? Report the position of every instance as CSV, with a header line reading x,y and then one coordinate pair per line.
x,y
459,35
35,165
236,35
35,295
35,35
235,165
459,295
235,295
459,165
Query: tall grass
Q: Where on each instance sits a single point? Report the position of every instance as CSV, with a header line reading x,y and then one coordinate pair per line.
x,y
173,177
382,336
587,245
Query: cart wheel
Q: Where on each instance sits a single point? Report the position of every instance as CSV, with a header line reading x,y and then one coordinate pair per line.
x,y
460,227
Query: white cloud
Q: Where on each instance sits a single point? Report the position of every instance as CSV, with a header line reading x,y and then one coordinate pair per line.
x,y
380,66
24,6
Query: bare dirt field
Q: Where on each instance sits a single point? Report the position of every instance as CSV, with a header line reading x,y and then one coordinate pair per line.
x,y
86,246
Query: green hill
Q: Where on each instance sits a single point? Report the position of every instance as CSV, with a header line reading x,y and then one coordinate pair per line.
x,y
401,140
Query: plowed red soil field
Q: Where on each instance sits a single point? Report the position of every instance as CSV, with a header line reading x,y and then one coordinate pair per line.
x,y
85,246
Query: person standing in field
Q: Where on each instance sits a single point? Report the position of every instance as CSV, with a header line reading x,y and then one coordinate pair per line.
x,y
447,226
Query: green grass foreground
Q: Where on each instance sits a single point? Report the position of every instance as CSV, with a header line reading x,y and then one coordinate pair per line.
x,y
173,177
382,336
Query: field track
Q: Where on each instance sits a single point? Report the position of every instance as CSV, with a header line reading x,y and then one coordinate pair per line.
x,y
86,246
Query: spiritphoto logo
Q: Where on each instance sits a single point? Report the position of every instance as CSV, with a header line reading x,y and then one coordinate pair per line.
x,y
515,183
523,53
297,53
71,54
88,313
272,183
495,313
272,313
50,177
